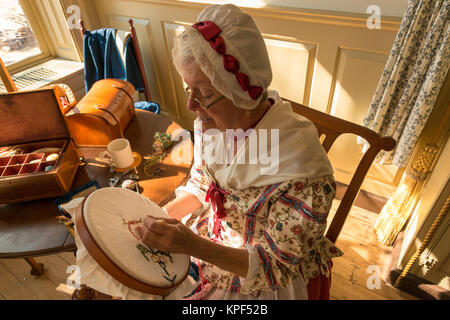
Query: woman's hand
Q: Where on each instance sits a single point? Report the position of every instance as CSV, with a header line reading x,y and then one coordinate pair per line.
x,y
171,235
167,234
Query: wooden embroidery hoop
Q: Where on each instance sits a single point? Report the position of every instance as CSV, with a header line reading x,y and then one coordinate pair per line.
x,y
109,266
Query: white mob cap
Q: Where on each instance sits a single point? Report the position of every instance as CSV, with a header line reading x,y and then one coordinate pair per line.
x,y
230,51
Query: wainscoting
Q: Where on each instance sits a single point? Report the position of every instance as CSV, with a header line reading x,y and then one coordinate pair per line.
x,y
326,60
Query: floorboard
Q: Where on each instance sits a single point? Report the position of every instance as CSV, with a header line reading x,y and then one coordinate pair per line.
x,y
42,287
11,287
359,271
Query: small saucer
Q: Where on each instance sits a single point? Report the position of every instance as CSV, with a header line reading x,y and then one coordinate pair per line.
x,y
137,161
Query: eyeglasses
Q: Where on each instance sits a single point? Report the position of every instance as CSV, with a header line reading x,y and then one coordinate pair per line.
x,y
188,92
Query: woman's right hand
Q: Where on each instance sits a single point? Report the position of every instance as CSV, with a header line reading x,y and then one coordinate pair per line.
x,y
167,234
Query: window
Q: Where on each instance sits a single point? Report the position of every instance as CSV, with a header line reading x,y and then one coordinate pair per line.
x,y
36,43
24,40
17,40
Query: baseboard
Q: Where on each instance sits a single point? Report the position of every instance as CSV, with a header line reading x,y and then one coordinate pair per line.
x,y
417,286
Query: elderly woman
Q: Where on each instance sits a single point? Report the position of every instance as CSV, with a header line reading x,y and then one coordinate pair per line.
x,y
253,234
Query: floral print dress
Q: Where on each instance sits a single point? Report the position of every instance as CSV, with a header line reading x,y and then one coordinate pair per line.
x,y
282,224
280,219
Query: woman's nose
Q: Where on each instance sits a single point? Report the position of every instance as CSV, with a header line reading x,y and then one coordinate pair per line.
x,y
193,105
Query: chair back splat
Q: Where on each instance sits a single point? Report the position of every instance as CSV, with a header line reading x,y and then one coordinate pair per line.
x,y
332,127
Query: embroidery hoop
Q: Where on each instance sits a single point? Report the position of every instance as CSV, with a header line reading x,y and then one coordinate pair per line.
x,y
99,255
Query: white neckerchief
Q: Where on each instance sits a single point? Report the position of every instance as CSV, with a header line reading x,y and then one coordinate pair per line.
x,y
300,153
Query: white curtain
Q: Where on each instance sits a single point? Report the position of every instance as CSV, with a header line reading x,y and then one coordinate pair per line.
x,y
412,78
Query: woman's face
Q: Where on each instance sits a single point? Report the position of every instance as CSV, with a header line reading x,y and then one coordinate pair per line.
x,y
221,115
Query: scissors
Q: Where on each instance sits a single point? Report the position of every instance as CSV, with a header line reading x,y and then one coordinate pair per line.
x,y
115,180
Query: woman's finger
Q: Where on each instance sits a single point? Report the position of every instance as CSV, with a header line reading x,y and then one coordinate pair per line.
x,y
140,231
161,226
170,220
149,222
151,238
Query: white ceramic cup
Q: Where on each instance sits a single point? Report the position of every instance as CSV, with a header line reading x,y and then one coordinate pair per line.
x,y
119,153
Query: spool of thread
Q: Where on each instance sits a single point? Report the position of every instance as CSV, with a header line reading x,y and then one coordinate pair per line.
x,y
35,161
52,157
48,168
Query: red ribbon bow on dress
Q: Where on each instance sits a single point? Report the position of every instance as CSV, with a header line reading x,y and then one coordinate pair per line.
x,y
216,195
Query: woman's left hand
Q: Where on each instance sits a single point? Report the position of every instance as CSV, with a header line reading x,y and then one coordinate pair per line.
x,y
167,234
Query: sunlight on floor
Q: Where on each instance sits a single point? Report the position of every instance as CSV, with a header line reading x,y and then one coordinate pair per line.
x,y
363,253
64,288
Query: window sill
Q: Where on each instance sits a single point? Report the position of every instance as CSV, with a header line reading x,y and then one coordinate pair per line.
x,y
56,70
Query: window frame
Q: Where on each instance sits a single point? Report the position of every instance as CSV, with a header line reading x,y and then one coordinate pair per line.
x,y
33,18
45,18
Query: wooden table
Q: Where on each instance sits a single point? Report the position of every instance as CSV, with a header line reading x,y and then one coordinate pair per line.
x,y
30,229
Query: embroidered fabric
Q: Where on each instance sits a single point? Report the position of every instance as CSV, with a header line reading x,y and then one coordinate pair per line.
x,y
94,276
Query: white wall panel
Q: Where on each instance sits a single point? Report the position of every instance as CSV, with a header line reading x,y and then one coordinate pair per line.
x,y
171,30
355,80
291,60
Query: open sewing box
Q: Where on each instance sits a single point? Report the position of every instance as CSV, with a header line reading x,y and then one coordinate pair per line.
x,y
33,123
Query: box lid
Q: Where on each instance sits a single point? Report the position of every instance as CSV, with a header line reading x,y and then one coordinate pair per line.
x,y
31,116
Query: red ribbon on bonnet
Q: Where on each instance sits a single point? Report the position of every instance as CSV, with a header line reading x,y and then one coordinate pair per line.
x,y
211,33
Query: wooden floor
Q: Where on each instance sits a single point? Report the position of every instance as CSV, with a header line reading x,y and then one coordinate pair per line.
x,y
349,280
363,258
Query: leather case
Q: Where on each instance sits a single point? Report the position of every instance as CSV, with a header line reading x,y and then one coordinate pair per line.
x,y
32,122
65,95
103,114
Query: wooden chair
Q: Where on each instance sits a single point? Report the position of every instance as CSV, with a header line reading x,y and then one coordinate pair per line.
x,y
137,51
332,128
